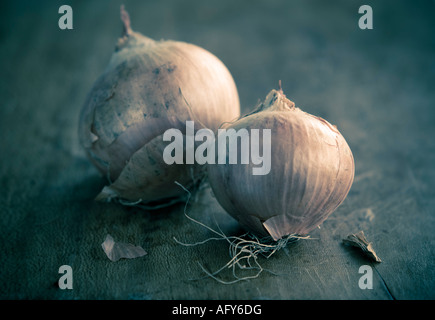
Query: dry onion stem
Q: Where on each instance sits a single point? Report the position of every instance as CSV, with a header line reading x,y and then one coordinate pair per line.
x,y
244,250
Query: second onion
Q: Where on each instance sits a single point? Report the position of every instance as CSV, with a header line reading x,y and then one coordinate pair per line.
x,y
311,172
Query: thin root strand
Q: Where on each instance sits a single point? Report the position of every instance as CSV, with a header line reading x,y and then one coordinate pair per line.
x,y
244,250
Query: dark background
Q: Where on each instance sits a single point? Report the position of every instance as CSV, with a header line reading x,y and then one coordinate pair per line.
x,y
376,85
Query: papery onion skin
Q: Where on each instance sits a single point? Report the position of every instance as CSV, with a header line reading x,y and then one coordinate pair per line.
x,y
312,170
148,87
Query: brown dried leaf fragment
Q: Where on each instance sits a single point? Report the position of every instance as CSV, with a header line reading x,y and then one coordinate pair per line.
x,y
359,240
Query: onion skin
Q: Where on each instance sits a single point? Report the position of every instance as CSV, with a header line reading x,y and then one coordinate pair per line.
x,y
148,87
312,170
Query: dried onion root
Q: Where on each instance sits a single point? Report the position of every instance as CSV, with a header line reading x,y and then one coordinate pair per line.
x,y
244,250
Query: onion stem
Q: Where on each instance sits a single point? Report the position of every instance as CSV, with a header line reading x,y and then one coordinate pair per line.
x,y
125,17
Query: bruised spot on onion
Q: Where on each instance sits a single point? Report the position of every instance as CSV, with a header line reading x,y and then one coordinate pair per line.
x,y
148,87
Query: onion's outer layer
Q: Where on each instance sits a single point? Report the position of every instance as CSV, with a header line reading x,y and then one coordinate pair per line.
x,y
312,170
148,87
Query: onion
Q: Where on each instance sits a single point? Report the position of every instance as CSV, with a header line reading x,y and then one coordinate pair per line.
x,y
311,172
148,87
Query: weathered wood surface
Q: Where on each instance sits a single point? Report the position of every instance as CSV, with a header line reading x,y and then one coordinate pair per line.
x,y
375,85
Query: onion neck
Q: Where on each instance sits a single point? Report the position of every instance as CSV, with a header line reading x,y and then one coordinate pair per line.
x,y
130,38
277,101
125,18
134,39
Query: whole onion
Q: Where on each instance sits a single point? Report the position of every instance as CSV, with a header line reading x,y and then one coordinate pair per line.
x,y
311,172
148,87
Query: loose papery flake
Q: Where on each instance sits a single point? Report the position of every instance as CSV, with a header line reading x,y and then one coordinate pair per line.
x,y
117,250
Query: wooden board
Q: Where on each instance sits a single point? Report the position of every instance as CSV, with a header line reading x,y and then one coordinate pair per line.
x,y
375,85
